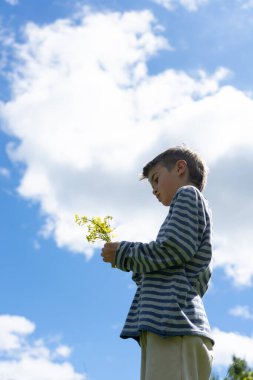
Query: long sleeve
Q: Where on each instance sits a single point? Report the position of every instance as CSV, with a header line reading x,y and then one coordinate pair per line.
x,y
178,240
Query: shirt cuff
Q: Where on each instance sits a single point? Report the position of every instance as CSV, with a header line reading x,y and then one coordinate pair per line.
x,y
121,256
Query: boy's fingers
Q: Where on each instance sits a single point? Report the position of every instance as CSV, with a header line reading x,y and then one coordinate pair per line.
x,y
107,259
105,254
108,252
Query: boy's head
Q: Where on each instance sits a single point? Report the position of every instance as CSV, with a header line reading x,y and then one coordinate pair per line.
x,y
172,169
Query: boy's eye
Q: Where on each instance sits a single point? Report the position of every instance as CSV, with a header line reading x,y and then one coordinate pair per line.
x,y
155,180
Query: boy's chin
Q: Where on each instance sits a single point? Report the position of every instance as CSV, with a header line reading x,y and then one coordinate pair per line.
x,y
165,203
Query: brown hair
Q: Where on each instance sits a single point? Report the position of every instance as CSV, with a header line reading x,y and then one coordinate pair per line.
x,y
196,166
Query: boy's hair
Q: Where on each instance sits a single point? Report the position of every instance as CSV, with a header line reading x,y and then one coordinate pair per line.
x,y
196,166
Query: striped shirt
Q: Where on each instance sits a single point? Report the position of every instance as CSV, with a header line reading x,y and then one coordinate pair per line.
x,y
171,273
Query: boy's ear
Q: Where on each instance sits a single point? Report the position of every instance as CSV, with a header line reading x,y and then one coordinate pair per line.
x,y
181,166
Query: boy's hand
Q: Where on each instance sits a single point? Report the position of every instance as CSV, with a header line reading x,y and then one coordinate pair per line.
x,y
109,251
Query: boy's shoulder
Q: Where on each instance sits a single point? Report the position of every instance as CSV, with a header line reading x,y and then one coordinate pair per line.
x,y
188,191
189,199
191,195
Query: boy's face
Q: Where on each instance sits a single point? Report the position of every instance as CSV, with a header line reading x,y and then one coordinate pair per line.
x,y
165,183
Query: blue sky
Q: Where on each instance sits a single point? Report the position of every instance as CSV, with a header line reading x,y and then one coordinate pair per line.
x,y
89,92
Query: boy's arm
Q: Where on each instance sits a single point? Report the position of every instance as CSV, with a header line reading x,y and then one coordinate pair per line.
x,y
109,252
182,236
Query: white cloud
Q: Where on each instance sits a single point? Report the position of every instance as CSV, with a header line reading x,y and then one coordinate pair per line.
x,y
82,113
12,331
21,358
190,5
230,196
239,268
88,117
12,2
228,344
241,311
63,351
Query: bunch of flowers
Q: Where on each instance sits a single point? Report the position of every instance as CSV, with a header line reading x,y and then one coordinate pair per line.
x,y
98,228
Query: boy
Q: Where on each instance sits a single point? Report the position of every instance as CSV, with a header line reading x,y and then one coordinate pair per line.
x,y
167,316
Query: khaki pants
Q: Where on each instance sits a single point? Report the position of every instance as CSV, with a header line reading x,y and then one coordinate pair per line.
x,y
175,358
